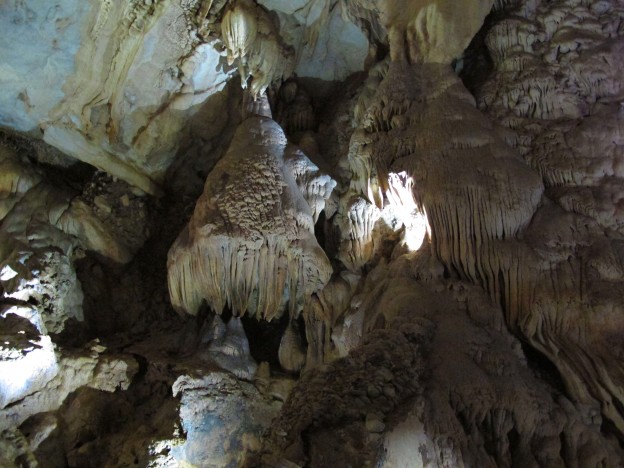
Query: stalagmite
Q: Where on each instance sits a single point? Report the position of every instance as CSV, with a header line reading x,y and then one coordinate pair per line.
x,y
229,348
291,351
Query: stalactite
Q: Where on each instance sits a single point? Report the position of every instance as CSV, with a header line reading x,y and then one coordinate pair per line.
x,y
315,186
356,225
294,109
250,244
252,39
239,28
466,221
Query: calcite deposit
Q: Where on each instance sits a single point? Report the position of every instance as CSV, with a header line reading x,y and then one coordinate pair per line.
x,y
250,244
273,233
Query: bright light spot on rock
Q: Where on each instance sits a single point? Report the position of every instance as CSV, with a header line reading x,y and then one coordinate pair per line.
x,y
29,313
409,445
7,273
401,199
161,451
27,370
415,234
27,289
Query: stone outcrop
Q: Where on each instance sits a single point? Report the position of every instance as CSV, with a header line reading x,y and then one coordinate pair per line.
x,y
120,83
41,215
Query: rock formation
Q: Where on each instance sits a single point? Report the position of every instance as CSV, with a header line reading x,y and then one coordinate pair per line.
x,y
250,243
311,233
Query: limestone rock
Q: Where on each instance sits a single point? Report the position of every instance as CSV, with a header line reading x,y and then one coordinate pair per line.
x,y
27,360
447,418
72,372
39,80
315,186
41,215
550,90
356,227
17,179
431,31
251,38
250,245
330,44
47,279
110,84
432,276
211,409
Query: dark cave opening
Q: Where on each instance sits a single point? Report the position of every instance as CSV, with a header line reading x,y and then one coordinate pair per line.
x,y
264,338
543,367
476,64
514,439
319,230
502,297
608,427
226,314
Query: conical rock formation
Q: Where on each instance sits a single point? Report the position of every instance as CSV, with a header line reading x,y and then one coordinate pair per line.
x,y
250,244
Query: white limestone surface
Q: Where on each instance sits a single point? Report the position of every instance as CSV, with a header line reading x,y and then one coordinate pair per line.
x,y
38,42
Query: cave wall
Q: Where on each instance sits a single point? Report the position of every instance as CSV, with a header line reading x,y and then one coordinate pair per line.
x,y
312,233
